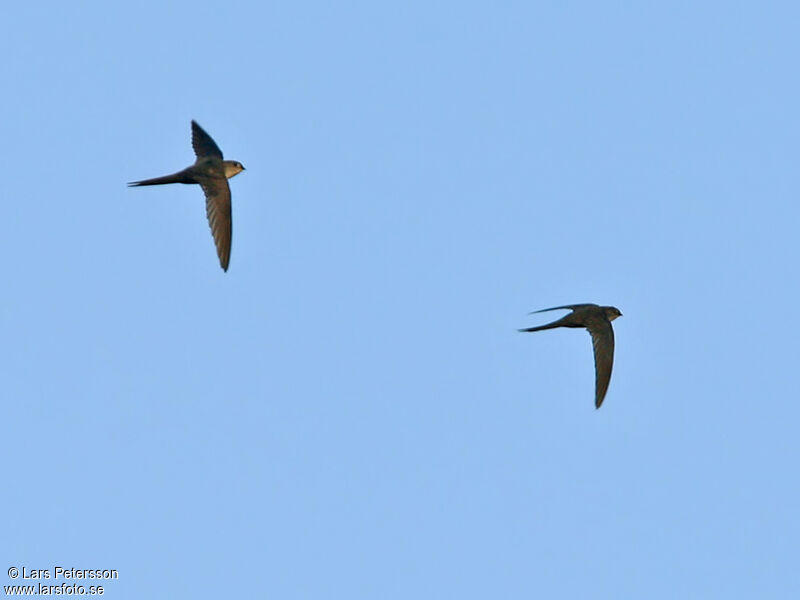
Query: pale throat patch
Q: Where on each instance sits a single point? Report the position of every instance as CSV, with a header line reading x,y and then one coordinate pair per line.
x,y
231,170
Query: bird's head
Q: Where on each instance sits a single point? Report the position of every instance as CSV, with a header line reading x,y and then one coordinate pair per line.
x,y
233,167
612,312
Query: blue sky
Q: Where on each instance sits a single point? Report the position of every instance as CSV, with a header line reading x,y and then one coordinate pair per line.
x,y
349,412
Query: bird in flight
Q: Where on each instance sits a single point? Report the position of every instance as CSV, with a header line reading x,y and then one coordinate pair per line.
x,y
597,319
211,173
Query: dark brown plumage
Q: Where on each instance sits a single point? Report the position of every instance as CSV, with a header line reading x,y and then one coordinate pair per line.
x,y
597,319
211,172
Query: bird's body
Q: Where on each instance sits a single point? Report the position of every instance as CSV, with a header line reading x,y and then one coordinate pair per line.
x,y
211,172
597,319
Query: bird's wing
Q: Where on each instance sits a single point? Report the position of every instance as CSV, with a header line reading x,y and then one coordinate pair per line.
x,y
603,341
203,144
218,211
565,307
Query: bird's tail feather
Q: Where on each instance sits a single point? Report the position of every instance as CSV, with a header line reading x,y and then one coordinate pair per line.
x,y
539,328
174,178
